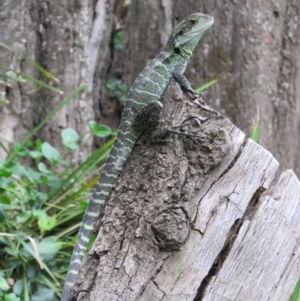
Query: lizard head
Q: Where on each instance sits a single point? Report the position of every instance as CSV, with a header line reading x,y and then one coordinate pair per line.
x,y
186,35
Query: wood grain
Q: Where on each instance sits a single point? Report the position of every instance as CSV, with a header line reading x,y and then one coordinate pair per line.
x,y
194,218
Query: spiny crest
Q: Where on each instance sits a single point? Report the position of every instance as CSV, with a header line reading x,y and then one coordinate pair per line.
x,y
169,38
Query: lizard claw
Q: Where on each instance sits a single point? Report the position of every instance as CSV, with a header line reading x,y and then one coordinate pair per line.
x,y
196,96
194,93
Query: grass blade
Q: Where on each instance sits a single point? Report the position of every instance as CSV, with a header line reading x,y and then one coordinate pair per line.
x,y
42,70
207,85
5,46
49,116
38,82
3,102
97,156
255,129
34,64
296,294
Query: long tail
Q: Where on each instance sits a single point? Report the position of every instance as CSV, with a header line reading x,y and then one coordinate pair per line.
x,y
120,152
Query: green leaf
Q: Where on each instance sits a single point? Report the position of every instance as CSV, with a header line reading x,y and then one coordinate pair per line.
x,y
28,143
11,297
45,222
11,165
49,245
100,130
4,172
38,144
54,181
32,270
10,251
118,40
50,152
2,215
19,149
43,168
69,138
30,174
3,284
116,89
18,287
35,155
4,182
4,199
43,294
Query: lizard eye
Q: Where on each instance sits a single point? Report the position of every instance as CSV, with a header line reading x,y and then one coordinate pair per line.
x,y
193,21
180,32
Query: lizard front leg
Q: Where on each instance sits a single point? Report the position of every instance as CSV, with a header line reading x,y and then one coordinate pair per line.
x,y
182,80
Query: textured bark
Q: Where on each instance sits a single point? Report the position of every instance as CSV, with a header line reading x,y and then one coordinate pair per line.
x,y
65,38
253,48
195,219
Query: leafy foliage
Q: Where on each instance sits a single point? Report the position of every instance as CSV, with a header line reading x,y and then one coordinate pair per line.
x,y
38,207
101,130
70,138
117,40
42,200
116,89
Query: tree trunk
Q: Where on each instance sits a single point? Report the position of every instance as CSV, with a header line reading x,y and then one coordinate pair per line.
x,y
64,38
195,218
253,48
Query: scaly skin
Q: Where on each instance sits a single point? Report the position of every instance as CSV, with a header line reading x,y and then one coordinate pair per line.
x,y
141,113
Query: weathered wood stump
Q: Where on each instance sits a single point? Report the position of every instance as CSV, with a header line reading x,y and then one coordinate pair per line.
x,y
195,218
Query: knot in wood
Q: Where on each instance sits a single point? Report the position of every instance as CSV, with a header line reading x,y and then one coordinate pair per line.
x,y
171,229
209,148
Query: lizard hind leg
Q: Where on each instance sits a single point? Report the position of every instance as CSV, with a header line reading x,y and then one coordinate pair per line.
x,y
155,128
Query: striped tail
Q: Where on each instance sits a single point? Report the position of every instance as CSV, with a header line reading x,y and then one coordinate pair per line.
x,y
120,152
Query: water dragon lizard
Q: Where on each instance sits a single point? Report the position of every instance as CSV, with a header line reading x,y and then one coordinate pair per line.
x,y
142,112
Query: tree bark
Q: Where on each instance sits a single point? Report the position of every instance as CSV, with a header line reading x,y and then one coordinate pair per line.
x,y
195,218
66,39
253,49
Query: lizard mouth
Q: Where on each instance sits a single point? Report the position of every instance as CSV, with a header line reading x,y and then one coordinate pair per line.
x,y
205,25
199,30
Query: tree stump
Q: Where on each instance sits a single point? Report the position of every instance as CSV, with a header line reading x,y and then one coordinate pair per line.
x,y
194,218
